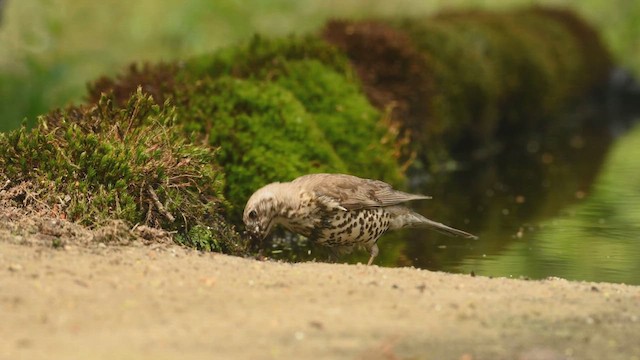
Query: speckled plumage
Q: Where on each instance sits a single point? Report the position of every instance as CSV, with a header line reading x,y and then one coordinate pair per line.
x,y
336,210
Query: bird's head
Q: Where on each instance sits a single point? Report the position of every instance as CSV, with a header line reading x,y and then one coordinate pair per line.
x,y
262,209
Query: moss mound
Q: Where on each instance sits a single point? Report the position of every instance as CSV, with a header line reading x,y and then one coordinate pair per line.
x,y
298,109
393,72
260,56
264,133
318,76
91,164
473,75
276,109
360,134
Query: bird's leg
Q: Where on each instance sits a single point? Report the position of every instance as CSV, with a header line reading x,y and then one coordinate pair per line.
x,y
374,252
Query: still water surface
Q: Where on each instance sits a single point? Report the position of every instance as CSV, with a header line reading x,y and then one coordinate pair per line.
x,y
569,209
564,205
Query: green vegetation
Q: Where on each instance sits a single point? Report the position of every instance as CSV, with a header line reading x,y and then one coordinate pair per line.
x,y
263,131
277,108
264,58
99,162
318,76
186,151
466,77
271,109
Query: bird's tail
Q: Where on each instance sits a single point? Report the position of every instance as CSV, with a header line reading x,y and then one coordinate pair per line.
x,y
413,219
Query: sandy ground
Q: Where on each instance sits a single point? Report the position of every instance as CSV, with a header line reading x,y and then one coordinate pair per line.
x,y
166,302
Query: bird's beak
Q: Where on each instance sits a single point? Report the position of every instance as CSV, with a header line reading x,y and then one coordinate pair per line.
x,y
257,233
268,231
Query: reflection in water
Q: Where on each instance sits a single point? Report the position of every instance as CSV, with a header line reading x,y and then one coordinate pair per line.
x,y
538,214
596,239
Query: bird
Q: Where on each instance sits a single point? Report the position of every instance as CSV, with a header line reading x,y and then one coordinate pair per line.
x,y
338,211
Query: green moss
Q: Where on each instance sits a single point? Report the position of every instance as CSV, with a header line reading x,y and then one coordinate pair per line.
x,y
317,78
461,79
276,109
349,122
264,133
103,162
246,60
518,67
295,77
500,73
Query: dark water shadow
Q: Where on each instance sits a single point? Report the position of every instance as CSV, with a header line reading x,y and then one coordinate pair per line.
x,y
504,197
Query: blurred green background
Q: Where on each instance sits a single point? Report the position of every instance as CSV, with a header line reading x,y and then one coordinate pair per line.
x,y
50,49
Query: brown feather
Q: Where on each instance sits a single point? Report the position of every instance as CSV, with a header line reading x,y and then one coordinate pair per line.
x,y
353,193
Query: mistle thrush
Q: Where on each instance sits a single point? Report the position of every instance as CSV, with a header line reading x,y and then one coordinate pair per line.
x,y
336,210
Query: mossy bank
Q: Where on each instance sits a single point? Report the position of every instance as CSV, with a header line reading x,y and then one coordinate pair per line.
x,y
181,146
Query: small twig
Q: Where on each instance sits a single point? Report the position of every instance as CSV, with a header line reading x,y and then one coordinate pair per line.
x,y
69,160
159,205
149,212
118,208
33,195
173,178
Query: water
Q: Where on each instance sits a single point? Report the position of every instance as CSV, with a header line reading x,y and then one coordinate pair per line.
x,y
569,209
565,204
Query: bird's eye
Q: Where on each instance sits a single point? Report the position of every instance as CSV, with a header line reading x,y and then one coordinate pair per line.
x,y
253,215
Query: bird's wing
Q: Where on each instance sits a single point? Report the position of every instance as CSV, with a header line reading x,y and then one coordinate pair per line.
x,y
352,192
